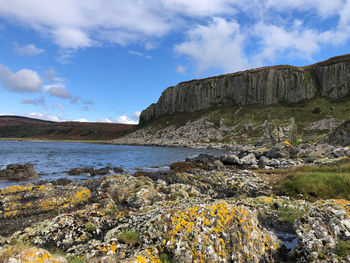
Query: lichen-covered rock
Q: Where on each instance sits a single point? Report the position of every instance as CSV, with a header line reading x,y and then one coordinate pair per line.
x,y
200,230
319,233
20,204
32,255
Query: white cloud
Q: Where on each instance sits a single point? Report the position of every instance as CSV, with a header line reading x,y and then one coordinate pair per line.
x,y
65,56
228,43
106,120
298,41
58,90
27,50
69,37
50,75
48,117
24,80
38,101
218,44
81,120
136,116
125,120
59,106
323,8
181,69
140,54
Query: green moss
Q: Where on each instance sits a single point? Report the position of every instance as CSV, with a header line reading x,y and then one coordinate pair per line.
x,y
90,227
342,249
177,196
289,214
129,237
74,259
165,258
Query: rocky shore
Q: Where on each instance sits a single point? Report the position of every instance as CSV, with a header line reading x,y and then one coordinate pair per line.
x,y
233,208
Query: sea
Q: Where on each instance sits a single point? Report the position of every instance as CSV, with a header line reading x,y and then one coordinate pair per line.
x,y
53,160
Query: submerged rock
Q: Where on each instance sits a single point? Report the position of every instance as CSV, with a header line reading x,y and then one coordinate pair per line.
x,y
19,172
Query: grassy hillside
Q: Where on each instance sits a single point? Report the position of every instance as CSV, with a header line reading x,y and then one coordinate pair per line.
x,y
28,128
249,121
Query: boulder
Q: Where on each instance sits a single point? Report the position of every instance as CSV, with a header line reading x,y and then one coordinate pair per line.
x,y
341,135
80,171
278,152
230,159
249,160
202,159
264,161
118,170
103,171
19,172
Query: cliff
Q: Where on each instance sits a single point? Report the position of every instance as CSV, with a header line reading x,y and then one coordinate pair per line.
x,y
267,86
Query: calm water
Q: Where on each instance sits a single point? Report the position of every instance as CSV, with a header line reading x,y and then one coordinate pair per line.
x,y
52,160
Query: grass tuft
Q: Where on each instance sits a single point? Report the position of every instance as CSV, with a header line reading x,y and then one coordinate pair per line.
x,y
323,182
342,249
129,237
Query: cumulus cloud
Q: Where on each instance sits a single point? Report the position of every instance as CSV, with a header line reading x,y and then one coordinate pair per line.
x,y
136,116
225,43
218,44
24,80
50,75
81,120
105,120
38,101
277,40
47,117
27,50
58,90
123,119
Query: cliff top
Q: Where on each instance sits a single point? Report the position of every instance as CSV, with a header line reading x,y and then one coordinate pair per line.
x,y
329,61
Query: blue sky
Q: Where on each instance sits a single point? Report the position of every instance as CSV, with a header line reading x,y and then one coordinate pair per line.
x,y
107,60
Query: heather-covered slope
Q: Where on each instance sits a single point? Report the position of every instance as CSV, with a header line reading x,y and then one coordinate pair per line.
x,y
28,128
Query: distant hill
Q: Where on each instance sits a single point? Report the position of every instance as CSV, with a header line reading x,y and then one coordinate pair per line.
x,y
29,128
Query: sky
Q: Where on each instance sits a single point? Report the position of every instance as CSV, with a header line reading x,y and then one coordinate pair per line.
x,y
107,60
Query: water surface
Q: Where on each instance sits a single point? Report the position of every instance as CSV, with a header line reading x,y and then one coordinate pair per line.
x,y
52,160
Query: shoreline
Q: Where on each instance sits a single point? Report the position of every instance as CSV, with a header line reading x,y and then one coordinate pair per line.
x,y
111,142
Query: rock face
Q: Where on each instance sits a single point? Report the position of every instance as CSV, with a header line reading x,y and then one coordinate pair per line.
x,y
270,85
333,77
341,135
18,172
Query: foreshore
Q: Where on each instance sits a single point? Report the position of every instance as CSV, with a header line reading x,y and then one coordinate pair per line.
x,y
235,207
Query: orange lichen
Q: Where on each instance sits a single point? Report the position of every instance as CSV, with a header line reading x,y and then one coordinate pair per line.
x,y
203,227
